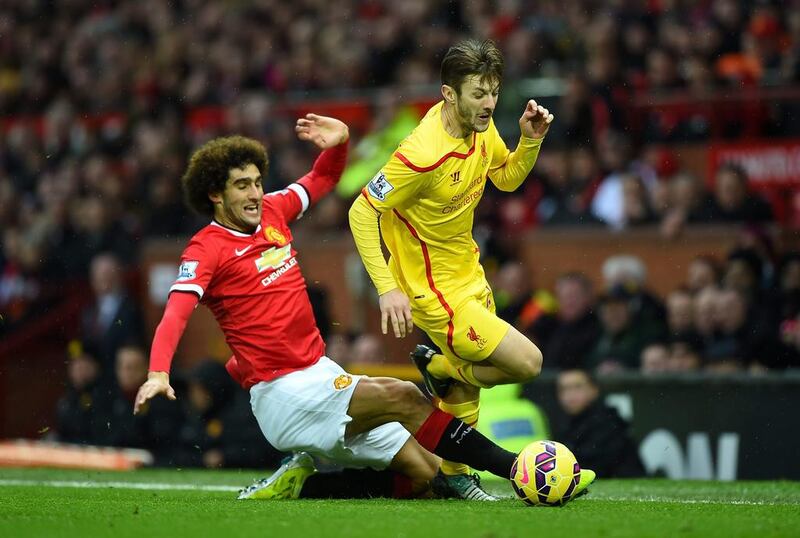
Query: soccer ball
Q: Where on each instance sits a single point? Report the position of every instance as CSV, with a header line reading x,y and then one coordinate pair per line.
x,y
545,473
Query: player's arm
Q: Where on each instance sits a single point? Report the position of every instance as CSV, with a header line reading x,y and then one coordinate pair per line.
x,y
391,187
168,333
198,264
509,169
331,136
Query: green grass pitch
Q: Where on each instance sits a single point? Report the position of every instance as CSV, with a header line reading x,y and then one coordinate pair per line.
x,y
174,503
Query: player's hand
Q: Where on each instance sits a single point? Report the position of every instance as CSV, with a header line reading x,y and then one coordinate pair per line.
x,y
535,120
157,383
323,131
396,308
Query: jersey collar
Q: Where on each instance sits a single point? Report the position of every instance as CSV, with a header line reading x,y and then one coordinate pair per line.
x,y
235,232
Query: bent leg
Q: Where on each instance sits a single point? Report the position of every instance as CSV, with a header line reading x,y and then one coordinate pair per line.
x,y
380,400
417,466
515,360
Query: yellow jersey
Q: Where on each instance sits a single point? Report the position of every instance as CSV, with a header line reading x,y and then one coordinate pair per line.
x,y
426,196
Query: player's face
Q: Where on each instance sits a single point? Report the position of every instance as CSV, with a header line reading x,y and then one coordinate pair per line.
x,y
476,102
239,205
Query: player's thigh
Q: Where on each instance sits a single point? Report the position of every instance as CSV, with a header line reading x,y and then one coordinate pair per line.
x,y
379,400
517,355
477,331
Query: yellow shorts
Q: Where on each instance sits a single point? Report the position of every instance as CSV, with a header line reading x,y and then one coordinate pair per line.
x,y
467,332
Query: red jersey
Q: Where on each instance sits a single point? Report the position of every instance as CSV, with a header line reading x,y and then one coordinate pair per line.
x,y
253,286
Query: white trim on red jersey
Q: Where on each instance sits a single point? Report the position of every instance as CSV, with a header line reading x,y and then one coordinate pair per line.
x,y
303,195
235,232
188,287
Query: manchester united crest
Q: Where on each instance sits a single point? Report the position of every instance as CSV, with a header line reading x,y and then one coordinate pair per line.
x,y
342,382
274,235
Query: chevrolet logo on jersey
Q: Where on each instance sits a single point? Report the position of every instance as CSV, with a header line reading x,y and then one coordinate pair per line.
x,y
274,257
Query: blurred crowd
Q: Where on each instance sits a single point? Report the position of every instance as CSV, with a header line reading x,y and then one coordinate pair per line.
x,y
102,100
210,425
738,314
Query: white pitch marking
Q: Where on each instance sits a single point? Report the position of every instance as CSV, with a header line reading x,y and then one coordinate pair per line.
x,y
687,501
155,486
118,485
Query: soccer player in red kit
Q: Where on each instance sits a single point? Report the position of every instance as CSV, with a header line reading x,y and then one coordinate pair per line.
x,y
243,267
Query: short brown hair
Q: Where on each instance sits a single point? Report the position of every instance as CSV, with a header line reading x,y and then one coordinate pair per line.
x,y
471,57
210,166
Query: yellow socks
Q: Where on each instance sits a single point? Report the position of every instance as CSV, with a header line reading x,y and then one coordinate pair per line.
x,y
442,368
467,412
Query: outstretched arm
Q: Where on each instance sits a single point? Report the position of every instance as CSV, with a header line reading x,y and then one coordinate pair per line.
x,y
509,170
168,333
331,136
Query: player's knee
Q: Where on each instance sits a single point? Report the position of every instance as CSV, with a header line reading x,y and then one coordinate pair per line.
x,y
531,364
407,401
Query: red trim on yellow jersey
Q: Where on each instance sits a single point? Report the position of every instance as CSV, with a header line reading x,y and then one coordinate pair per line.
x,y
431,284
438,163
364,192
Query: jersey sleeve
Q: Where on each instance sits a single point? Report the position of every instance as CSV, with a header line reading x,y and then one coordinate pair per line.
x,y
500,151
291,202
295,199
508,169
397,182
198,263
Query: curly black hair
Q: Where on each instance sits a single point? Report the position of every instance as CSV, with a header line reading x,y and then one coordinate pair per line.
x,y
210,165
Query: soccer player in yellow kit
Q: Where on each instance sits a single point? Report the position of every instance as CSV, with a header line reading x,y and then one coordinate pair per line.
x,y
422,202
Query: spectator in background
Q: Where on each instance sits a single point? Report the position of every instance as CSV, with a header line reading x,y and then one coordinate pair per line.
x,y
568,181
622,340
655,359
739,341
680,312
733,202
20,285
685,353
630,273
595,432
514,297
788,280
219,431
81,411
686,202
113,318
690,198
705,305
703,272
615,152
100,230
567,337
154,429
743,273
636,209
